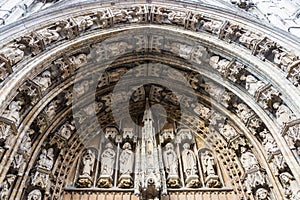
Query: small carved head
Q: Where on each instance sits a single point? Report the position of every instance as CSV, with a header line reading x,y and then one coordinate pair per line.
x,y
35,195
169,146
127,145
186,146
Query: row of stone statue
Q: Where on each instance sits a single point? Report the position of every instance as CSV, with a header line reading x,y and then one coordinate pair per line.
x,y
190,167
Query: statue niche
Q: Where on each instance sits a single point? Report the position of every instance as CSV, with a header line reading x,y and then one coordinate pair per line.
x,y
190,169
126,166
88,161
107,166
171,165
210,171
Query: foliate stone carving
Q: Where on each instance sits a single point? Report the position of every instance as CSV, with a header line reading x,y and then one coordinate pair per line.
x,y
6,186
126,166
290,185
167,135
267,96
107,166
35,195
209,168
43,80
190,169
88,161
171,164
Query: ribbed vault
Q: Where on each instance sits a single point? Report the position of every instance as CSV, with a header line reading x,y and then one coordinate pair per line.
x,y
67,77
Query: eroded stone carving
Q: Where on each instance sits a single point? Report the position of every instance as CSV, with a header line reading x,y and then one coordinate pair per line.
x,y
88,161
126,166
252,84
107,166
13,112
6,186
43,80
228,132
35,195
291,187
209,167
171,164
190,169
283,114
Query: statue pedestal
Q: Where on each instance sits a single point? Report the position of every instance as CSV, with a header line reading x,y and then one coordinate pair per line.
x,y
125,181
84,181
212,181
173,181
105,181
192,181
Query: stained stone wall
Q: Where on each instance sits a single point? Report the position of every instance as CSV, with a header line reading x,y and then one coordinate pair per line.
x,y
78,86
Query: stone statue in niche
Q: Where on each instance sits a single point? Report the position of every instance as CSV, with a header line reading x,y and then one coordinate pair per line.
x,y
6,135
248,39
51,110
88,161
262,194
107,166
46,159
228,132
171,165
290,185
19,163
284,59
126,166
35,195
6,186
13,111
283,114
43,80
190,169
248,160
252,84
219,64
209,168
211,26
244,112
13,53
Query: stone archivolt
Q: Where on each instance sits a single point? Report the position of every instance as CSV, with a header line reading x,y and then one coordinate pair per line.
x,y
39,113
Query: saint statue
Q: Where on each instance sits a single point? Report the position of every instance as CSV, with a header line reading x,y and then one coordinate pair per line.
x,y
126,166
171,160
189,161
126,160
108,160
88,161
208,163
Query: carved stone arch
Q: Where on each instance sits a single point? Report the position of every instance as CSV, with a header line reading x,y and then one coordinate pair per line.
x,y
64,43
